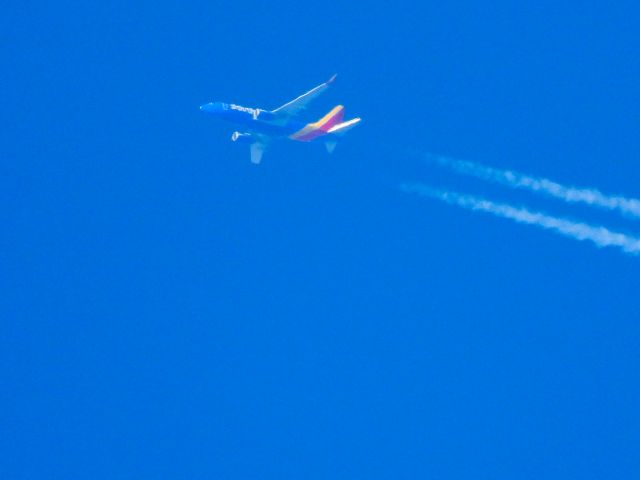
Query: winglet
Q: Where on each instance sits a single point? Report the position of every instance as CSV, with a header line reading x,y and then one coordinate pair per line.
x,y
294,107
332,79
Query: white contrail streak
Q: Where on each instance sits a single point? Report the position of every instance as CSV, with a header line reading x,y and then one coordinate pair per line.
x,y
600,236
509,178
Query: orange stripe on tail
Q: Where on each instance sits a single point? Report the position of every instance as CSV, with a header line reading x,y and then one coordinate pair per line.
x,y
321,127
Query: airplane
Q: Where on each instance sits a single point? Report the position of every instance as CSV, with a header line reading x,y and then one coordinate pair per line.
x,y
259,126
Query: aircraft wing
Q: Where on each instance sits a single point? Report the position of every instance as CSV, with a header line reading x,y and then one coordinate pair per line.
x,y
257,149
295,106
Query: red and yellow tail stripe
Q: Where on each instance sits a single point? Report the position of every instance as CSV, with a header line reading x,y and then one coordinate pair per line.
x,y
321,127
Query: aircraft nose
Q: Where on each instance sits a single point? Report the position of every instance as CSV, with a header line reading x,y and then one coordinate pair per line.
x,y
207,107
212,108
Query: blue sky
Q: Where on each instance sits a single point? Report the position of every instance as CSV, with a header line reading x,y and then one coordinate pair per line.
x,y
172,311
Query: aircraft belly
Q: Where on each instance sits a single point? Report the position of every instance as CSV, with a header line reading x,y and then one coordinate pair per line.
x,y
273,130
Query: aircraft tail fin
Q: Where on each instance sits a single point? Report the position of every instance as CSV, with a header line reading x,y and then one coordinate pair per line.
x,y
321,127
331,119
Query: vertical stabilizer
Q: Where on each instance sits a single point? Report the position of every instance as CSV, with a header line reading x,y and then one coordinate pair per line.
x,y
321,127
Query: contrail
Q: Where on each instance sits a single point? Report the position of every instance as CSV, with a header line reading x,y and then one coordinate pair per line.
x,y
600,236
509,178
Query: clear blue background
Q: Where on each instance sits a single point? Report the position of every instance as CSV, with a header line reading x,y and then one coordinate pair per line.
x,y
171,311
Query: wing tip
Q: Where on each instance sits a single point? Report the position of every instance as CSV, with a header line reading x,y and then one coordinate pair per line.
x,y
332,79
256,150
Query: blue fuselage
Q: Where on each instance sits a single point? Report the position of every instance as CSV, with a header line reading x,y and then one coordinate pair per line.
x,y
253,119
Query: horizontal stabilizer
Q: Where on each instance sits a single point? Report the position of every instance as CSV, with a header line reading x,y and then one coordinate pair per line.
x,y
330,145
344,127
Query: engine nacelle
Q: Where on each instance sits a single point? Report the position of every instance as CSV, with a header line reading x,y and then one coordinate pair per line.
x,y
242,137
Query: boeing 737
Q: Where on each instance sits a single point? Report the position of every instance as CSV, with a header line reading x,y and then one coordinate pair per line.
x,y
259,126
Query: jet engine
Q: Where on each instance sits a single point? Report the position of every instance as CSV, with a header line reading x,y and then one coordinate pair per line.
x,y
242,137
